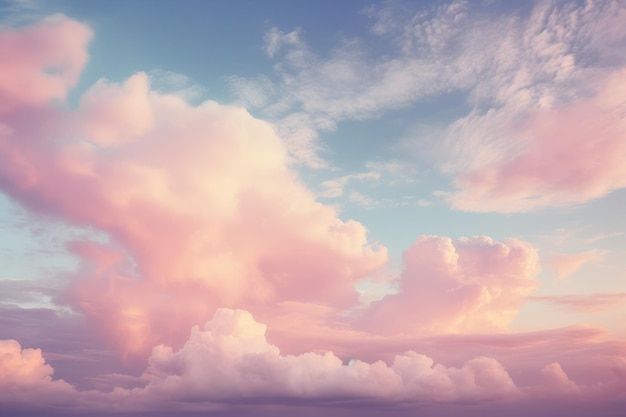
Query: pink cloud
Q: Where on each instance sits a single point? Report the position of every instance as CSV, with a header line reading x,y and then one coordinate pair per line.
x,y
557,380
571,153
25,376
112,113
199,204
231,358
471,284
567,264
41,61
587,303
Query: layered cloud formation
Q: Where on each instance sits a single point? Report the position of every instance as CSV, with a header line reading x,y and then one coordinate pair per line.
x,y
231,361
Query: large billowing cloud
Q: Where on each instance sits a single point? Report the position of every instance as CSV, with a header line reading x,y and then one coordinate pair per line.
x,y
471,284
199,204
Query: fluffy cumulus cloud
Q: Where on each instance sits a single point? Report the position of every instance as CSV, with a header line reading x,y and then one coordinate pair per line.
x,y
471,284
231,359
24,376
198,201
557,379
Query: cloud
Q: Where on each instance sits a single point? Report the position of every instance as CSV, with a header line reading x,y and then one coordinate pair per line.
x,y
313,93
24,376
587,303
230,360
275,40
471,284
602,236
362,200
198,202
544,96
351,84
567,264
176,83
112,114
41,62
572,154
334,187
388,173
557,380
24,292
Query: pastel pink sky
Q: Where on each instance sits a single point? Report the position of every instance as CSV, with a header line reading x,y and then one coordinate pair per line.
x,y
223,281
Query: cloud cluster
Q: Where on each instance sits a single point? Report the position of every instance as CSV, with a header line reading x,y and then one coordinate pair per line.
x,y
545,126
572,153
198,202
471,284
230,359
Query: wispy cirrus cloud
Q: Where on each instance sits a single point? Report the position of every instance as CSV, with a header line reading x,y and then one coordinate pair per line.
x,y
567,264
584,303
525,79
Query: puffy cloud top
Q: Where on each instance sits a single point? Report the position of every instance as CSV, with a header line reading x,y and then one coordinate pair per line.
x,y
230,358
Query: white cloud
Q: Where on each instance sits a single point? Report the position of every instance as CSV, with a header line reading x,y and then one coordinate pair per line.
x,y
335,187
171,82
377,174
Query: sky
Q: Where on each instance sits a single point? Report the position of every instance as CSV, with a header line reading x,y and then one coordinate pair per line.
x,y
296,208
